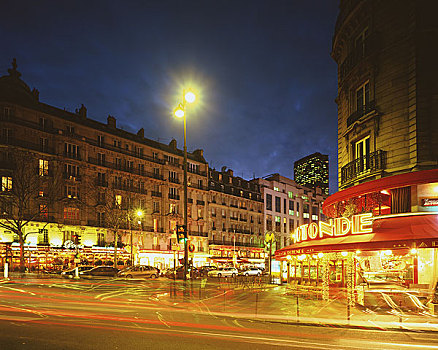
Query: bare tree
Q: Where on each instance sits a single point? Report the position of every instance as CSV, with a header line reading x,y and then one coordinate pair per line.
x,y
27,194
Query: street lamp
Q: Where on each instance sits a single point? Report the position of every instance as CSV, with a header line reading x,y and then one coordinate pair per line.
x,y
181,112
139,214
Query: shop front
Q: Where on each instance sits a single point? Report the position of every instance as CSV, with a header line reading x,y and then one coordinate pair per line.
x,y
382,234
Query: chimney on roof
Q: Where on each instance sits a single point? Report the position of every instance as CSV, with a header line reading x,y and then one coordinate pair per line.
x,y
140,133
82,112
230,172
111,122
172,144
198,153
223,169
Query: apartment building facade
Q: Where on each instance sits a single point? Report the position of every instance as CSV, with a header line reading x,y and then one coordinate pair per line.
x,y
288,205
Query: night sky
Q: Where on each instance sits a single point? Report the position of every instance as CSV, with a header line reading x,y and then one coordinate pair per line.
x,y
263,68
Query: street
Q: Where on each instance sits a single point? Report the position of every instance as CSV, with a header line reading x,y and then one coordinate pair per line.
x,y
55,313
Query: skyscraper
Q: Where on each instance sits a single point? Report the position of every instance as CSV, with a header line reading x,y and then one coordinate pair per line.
x,y
313,171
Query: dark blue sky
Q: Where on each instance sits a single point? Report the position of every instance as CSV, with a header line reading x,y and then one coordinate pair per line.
x,y
268,81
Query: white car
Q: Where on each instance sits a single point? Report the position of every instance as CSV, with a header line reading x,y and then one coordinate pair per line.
x,y
223,272
252,271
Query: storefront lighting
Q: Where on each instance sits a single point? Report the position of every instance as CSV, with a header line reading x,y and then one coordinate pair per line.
x,y
413,251
301,257
314,256
384,192
320,255
344,253
358,252
289,257
386,252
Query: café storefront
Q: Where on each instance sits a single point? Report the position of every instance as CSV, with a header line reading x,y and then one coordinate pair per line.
x,y
381,234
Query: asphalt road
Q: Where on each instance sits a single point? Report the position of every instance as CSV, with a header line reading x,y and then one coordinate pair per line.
x,y
161,314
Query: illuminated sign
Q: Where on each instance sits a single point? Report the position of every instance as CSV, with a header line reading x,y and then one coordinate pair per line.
x,y
430,202
358,224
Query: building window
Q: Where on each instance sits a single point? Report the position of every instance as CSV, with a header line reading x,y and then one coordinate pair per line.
x,y
71,213
363,98
278,204
71,191
118,200
277,219
6,183
360,41
71,150
101,158
156,207
290,194
44,144
43,236
276,189
100,140
268,201
43,167
362,153
44,212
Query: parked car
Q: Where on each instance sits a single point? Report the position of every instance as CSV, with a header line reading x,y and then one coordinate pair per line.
x,y
100,271
224,272
203,271
139,272
251,271
71,273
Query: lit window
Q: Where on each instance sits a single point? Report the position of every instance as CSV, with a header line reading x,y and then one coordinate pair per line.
x,y
290,194
277,219
43,167
71,213
305,215
118,200
6,183
276,189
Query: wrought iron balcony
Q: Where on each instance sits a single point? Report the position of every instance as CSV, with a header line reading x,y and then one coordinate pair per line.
x,y
361,167
356,115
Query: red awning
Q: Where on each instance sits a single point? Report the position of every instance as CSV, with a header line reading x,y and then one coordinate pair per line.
x,y
388,233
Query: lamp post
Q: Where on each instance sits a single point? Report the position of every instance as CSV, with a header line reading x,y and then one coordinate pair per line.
x,y
139,214
180,112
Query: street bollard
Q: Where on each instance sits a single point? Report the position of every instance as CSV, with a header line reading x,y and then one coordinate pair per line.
x,y
77,272
348,311
298,310
6,271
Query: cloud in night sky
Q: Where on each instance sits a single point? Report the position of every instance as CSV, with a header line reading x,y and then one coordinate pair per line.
x,y
268,81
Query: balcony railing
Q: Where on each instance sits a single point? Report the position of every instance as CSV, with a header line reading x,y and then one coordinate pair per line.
x,y
173,196
155,194
356,115
198,234
361,167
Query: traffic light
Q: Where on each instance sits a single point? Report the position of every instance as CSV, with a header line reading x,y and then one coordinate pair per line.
x,y
181,233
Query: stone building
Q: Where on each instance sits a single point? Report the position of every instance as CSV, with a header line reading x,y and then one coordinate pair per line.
x,y
387,89
236,218
104,173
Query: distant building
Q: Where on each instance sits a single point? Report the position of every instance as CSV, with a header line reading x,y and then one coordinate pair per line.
x,y
287,206
313,171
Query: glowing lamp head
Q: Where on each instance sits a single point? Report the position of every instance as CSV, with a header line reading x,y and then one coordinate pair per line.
x,y
179,111
413,251
289,257
320,255
190,97
139,213
344,253
302,257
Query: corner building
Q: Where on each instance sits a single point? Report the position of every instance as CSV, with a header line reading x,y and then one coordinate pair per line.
x,y
384,220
